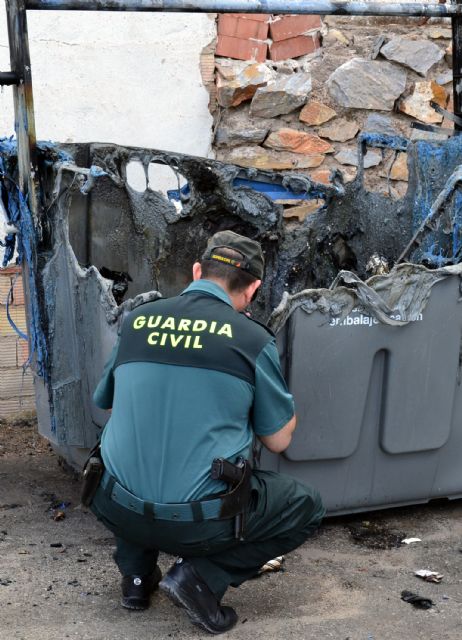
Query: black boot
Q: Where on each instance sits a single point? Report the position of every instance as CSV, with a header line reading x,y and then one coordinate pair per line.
x,y
136,590
186,589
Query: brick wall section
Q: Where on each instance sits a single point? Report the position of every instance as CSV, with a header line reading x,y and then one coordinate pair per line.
x,y
241,49
242,36
207,69
247,36
16,388
294,47
285,27
239,26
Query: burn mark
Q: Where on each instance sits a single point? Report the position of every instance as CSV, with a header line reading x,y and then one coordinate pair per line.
x,y
120,281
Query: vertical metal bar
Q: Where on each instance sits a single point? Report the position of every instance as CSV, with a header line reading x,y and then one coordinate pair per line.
x,y
27,165
457,65
23,101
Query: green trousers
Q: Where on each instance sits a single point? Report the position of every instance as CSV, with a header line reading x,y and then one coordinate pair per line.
x,y
281,515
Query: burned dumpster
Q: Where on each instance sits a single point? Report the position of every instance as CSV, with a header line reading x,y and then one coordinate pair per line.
x,y
372,360
375,371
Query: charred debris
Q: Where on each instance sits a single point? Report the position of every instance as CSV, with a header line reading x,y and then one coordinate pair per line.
x,y
142,240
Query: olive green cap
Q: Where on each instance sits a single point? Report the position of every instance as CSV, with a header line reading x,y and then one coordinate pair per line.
x,y
252,255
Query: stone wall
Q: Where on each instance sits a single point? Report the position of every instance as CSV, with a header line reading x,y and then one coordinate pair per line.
x,y
305,113
16,386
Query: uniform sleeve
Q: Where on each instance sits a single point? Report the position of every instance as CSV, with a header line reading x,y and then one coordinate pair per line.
x,y
104,392
273,404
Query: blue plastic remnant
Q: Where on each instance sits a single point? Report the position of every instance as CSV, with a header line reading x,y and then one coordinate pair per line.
x,y
20,216
382,141
94,173
9,243
434,164
9,299
272,190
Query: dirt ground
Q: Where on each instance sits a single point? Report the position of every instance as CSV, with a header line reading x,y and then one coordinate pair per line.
x,y
58,580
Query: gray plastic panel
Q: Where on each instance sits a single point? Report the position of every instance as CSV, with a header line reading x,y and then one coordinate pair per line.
x,y
81,306
379,407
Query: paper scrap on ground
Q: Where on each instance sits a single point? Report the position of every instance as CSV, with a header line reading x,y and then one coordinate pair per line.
x,y
410,540
273,565
429,576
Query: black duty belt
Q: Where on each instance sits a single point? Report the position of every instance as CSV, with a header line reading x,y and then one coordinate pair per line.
x,y
195,511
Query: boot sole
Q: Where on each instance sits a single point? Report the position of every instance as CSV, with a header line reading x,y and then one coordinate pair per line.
x,y
132,606
173,591
127,603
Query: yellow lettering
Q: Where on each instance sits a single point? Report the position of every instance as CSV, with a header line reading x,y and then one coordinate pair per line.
x,y
197,343
169,323
226,330
199,325
152,336
163,339
139,322
153,321
213,326
183,325
175,340
187,342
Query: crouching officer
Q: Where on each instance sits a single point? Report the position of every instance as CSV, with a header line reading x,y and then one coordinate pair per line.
x,y
190,383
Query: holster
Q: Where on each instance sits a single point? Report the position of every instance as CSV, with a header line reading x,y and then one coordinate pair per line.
x,y
91,475
235,501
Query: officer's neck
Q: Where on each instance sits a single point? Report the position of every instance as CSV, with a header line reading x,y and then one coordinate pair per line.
x,y
238,300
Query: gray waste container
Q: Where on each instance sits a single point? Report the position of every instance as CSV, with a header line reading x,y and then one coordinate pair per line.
x,y
379,401
374,366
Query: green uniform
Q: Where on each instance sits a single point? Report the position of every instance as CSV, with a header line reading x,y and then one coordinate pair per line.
x,y
169,415
191,380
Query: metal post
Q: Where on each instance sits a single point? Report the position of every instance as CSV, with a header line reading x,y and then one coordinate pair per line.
x,y
23,100
457,66
318,7
26,153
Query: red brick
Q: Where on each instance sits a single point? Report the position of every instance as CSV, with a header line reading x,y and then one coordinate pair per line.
x,y
228,25
7,277
287,27
259,17
241,49
22,351
294,47
6,271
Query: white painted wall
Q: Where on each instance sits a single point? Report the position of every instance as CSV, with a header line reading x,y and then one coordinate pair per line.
x,y
128,78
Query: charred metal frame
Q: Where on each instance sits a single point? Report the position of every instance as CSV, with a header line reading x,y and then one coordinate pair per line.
x,y
319,7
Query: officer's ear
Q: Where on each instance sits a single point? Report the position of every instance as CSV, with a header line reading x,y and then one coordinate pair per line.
x,y
197,271
251,291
